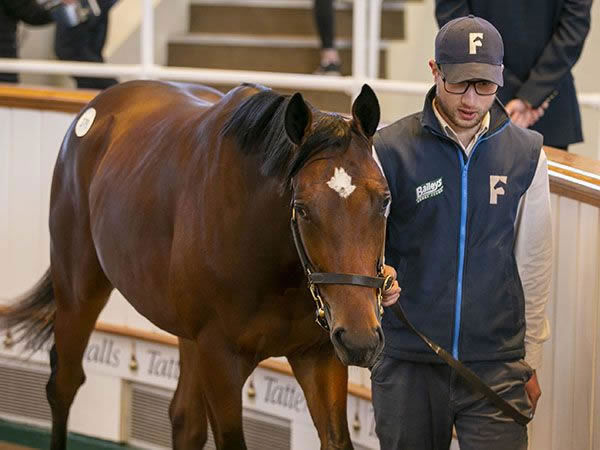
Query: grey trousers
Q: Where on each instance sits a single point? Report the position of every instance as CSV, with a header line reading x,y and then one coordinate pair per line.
x,y
416,405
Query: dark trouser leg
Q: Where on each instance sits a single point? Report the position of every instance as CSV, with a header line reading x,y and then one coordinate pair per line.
x,y
479,424
97,39
323,10
9,78
82,43
412,405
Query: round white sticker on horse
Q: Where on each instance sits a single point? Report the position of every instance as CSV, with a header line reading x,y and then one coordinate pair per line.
x,y
341,182
85,122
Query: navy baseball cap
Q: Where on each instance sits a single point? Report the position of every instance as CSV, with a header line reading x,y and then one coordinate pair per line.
x,y
470,48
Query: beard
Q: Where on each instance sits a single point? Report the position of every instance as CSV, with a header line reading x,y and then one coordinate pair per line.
x,y
458,119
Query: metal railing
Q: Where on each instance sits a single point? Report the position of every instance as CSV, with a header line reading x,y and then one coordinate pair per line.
x,y
365,63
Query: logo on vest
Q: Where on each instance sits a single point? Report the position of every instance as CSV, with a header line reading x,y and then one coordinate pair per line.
x,y
496,190
430,189
474,42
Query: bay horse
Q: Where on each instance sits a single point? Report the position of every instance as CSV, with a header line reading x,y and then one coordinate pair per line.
x,y
209,213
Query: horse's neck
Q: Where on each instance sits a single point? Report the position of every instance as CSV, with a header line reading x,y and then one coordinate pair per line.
x,y
248,207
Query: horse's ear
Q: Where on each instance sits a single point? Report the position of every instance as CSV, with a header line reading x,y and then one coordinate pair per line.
x,y
365,111
298,118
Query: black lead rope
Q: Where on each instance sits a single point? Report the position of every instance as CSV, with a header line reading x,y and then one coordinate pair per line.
x,y
467,374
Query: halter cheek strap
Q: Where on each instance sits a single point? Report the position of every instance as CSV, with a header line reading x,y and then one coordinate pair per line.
x,y
316,278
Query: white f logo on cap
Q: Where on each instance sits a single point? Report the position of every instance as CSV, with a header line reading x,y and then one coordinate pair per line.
x,y
474,42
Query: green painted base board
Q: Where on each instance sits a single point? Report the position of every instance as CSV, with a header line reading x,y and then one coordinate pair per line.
x,y
39,438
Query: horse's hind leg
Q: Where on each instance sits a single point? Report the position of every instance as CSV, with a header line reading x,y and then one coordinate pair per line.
x,y
81,290
78,309
187,410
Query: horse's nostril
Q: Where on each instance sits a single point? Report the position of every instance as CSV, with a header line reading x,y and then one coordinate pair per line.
x,y
337,335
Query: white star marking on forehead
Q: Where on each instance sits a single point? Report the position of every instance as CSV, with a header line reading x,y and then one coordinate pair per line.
x,y
341,183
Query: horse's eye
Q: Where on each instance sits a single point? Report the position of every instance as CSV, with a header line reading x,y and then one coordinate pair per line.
x,y
301,212
385,204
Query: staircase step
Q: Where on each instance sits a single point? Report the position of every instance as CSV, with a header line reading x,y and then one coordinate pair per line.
x,y
324,100
241,52
292,17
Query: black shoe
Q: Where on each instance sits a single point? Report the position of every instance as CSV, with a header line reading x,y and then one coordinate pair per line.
x,y
332,69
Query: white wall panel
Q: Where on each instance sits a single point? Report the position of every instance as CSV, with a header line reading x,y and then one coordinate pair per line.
x,y
565,273
595,394
586,327
97,411
29,144
567,415
5,142
24,199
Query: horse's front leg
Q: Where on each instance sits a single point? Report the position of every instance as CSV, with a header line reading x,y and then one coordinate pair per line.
x,y
188,411
222,374
324,380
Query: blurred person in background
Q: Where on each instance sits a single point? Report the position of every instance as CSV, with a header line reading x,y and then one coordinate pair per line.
x,y
543,40
85,41
330,63
11,13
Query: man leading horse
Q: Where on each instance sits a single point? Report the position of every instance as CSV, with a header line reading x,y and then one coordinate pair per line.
x,y
469,233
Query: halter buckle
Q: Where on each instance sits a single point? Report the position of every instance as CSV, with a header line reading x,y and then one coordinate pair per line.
x,y
386,286
388,283
320,313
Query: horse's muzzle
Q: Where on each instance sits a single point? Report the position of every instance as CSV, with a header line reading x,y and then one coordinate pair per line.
x,y
355,349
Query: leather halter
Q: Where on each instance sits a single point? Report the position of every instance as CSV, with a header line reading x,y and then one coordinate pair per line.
x,y
315,278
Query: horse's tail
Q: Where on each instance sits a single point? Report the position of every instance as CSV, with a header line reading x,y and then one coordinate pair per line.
x,y
31,317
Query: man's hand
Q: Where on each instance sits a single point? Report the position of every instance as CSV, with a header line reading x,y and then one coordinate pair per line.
x,y
390,295
533,391
523,114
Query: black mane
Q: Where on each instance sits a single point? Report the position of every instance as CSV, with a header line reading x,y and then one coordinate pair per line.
x,y
258,127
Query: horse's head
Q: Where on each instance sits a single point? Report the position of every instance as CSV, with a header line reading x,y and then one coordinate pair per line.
x,y
339,203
